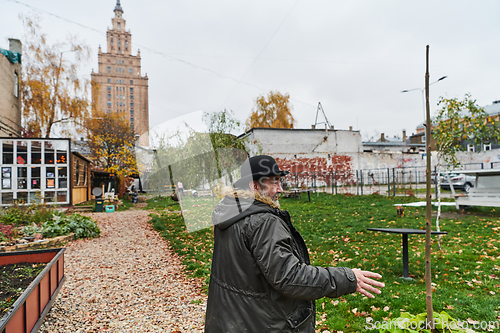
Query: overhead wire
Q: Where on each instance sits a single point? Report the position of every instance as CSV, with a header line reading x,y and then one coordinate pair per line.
x,y
168,56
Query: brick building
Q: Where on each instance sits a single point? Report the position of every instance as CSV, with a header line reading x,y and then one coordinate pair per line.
x,y
10,97
120,87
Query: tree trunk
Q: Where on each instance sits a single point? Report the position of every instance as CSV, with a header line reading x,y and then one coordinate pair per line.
x,y
428,286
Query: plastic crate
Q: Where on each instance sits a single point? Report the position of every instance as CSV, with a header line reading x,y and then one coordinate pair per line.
x,y
110,209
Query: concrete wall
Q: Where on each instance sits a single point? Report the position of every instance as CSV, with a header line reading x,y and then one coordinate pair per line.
x,y
304,150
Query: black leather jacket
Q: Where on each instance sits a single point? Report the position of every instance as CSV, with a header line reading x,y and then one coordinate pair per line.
x,y
261,279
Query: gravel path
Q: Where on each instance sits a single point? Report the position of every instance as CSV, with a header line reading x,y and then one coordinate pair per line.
x,y
127,280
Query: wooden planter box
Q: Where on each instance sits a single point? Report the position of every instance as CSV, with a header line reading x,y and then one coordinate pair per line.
x,y
28,312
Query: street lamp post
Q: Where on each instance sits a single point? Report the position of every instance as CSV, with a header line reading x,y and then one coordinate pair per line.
x,y
422,90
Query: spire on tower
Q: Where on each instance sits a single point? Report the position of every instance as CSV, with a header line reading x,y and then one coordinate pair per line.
x,y
118,8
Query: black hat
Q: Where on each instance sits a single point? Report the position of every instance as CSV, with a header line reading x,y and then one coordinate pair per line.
x,y
257,167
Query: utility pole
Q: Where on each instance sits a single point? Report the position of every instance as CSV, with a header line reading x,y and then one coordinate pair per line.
x,y
428,286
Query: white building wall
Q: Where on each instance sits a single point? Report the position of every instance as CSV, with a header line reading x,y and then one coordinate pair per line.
x,y
301,150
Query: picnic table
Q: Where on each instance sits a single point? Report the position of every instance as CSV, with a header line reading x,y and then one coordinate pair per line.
x,y
295,193
405,233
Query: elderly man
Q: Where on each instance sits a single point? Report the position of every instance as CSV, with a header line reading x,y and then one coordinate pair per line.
x,y
262,279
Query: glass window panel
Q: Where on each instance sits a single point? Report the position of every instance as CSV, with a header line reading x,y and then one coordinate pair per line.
x,y
62,158
35,172
50,196
22,178
22,197
35,197
8,152
50,172
61,196
50,177
6,178
63,177
22,184
49,156
50,183
6,172
36,152
6,184
22,172
7,198
22,152
35,177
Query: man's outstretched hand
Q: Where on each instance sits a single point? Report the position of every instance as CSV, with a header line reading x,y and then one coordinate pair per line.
x,y
365,284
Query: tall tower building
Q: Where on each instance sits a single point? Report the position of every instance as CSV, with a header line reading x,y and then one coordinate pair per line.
x,y
120,87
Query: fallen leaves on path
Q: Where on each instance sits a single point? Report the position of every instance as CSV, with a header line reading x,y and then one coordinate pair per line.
x,y
127,280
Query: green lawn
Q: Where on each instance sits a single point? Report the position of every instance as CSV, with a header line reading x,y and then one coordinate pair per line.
x,y
466,273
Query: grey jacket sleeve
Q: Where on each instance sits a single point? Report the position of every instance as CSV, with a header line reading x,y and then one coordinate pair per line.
x,y
271,246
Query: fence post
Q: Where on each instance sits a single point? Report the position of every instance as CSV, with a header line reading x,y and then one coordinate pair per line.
x,y
482,165
361,174
357,183
332,181
393,183
388,183
335,181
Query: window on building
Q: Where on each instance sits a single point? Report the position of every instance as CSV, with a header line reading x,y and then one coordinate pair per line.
x,y
131,82
470,148
126,45
131,96
130,70
131,105
132,126
111,41
109,95
131,111
119,25
117,104
109,69
131,119
109,80
16,85
109,88
131,90
487,147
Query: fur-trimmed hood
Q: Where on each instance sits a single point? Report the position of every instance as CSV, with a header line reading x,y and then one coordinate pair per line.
x,y
238,204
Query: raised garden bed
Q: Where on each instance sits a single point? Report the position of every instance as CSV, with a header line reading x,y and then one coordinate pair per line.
x,y
29,310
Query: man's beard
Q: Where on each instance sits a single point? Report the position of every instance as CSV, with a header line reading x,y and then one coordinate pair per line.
x,y
274,199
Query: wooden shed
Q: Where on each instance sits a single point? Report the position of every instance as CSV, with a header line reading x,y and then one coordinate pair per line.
x,y
80,178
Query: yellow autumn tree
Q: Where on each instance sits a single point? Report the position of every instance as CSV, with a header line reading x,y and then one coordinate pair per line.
x,y
52,91
272,111
111,141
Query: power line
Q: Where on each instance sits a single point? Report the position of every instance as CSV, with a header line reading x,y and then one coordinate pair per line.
x,y
168,56
260,53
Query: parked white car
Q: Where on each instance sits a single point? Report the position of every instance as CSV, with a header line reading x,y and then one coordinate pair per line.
x,y
460,182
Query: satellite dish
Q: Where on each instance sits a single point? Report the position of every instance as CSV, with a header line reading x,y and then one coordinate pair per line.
x,y
97,191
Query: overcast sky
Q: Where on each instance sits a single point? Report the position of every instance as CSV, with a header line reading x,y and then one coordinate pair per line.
x,y
355,57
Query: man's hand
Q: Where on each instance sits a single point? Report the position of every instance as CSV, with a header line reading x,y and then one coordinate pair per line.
x,y
365,284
